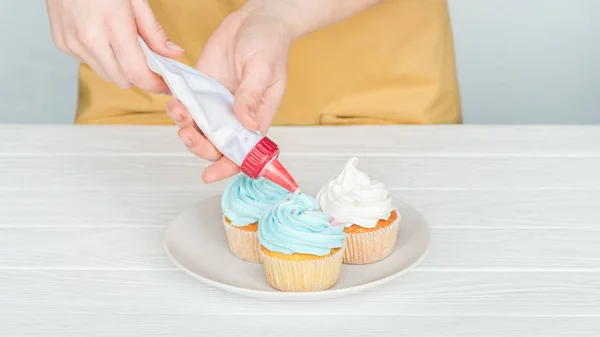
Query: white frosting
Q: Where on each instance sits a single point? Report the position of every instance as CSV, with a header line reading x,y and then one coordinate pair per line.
x,y
354,198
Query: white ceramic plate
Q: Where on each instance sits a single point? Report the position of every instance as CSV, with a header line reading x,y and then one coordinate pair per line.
x,y
196,243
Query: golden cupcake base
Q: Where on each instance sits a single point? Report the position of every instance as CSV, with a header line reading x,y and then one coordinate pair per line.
x,y
292,274
243,241
368,245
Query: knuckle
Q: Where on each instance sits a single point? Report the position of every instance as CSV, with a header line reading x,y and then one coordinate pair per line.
x,y
111,22
60,43
87,37
81,34
135,75
70,45
154,88
251,97
146,81
124,85
62,46
155,28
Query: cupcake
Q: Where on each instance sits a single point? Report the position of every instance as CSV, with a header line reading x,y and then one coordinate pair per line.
x,y
364,206
243,202
301,248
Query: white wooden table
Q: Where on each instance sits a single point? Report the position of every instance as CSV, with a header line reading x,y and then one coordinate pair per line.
x,y
515,214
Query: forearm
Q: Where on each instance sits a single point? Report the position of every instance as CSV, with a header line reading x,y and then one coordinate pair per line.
x,y
306,16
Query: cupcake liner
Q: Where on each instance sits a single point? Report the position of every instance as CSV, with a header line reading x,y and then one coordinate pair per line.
x,y
243,244
369,247
308,275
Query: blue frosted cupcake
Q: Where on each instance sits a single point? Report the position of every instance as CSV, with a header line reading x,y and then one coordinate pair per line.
x,y
244,201
301,248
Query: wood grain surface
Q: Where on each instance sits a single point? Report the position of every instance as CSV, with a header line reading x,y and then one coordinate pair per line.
x,y
514,211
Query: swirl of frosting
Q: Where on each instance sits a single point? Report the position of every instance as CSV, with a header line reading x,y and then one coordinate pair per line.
x,y
245,199
352,197
298,226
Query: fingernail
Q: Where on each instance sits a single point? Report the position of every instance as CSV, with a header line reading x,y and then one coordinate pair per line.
x,y
171,45
176,117
187,141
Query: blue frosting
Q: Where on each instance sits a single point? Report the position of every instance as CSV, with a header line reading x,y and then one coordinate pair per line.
x,y
298,226
246,199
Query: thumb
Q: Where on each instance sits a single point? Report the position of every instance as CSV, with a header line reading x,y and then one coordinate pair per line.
x,y
152,32
249,96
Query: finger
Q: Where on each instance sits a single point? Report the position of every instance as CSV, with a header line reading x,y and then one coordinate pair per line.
x,y
56,28
131,59
179,114
219,170
84,55
197,144
105,55
255,80
270,105
152,32
97,43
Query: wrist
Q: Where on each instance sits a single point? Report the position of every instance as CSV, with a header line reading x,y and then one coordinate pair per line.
x,y
303,17
284,12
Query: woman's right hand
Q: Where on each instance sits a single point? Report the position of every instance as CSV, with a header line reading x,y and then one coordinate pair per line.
x,y
103,34
255,45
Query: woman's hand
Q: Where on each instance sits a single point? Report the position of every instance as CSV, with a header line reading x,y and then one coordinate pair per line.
x,y
103,34
248,54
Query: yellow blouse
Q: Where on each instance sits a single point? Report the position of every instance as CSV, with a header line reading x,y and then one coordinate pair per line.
x,y
391,64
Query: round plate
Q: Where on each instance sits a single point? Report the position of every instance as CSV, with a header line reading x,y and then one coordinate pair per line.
x,y
196,243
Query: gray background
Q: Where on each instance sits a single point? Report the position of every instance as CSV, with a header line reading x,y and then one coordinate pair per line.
x,y
519,62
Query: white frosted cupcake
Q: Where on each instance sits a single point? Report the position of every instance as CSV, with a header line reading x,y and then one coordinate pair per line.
x,y
364,206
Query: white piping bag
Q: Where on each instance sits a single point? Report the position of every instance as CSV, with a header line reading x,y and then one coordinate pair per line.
x,y
211,107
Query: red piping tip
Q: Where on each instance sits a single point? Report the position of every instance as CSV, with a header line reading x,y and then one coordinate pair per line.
x,y
276,173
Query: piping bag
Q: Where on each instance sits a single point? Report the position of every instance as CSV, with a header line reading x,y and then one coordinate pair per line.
x,y
211,107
